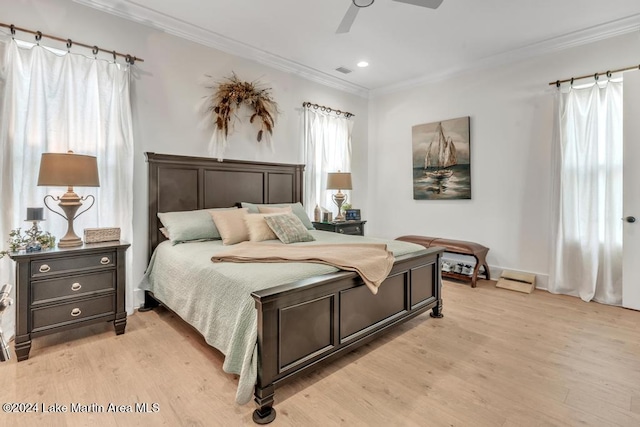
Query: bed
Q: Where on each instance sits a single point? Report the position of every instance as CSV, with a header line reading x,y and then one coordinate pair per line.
x,y
300,320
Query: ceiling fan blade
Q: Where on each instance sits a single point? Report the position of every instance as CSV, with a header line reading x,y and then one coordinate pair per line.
x,y
431,4
348,19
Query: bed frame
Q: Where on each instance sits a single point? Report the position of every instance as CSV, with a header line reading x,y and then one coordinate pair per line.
x,y
342,310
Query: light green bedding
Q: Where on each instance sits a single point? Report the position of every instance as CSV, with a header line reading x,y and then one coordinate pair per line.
x,y
215,298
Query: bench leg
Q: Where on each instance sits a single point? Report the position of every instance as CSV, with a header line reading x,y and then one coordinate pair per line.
x,y
476,270
474,277
487,274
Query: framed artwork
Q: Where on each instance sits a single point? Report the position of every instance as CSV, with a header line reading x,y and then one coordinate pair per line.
x,y
352,214
442,160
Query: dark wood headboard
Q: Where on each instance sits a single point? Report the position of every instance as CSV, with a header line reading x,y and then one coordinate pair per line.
x,y
181,183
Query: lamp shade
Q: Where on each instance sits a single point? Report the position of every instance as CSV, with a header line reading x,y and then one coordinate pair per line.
x,y
339,181
68,170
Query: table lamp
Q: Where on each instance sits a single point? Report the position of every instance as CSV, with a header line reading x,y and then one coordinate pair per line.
x,y
69,170
339,181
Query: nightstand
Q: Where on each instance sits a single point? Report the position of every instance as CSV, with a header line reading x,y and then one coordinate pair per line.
x,y
355,228
66,288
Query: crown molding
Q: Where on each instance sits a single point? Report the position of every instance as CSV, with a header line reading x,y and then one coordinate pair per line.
x,y
577,38
134,12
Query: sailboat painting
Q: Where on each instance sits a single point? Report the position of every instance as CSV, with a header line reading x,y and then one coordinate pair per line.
x,y
441,160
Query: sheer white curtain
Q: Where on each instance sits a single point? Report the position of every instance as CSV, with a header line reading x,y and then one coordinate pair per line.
x,y
53,102
327,141
587,252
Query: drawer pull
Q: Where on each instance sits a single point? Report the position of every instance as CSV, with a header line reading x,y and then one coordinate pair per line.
x,y
76,312
358,229
105,260
76,286
44,268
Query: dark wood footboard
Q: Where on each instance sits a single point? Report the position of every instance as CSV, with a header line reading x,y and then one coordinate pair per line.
x,y
304,324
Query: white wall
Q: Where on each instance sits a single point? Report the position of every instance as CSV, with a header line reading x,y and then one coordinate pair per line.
x,y
511,127
511,110
168,87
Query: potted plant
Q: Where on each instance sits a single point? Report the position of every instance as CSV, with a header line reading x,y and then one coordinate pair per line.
x,y
32,240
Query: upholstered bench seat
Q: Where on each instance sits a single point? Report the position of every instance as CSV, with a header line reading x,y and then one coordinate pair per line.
x,y
461,247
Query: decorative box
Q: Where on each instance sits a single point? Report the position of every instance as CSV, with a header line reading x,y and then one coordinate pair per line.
x,y
104,234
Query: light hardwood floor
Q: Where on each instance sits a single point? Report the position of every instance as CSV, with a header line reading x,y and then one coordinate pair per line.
x,y
497,358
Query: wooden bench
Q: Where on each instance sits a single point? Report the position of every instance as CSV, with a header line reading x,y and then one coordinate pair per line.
x,y
461,247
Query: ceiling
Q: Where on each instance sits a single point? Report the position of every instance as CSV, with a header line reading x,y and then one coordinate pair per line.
x,y
404,44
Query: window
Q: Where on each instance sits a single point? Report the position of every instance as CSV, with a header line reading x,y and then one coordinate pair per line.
x,y
327,139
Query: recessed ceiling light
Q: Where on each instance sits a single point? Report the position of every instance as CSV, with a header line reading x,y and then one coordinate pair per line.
x,y
363,64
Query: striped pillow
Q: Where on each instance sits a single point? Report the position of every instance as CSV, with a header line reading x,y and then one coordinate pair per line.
x,y
288,228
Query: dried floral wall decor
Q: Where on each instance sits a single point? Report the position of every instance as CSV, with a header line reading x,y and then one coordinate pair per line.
x,y
225,101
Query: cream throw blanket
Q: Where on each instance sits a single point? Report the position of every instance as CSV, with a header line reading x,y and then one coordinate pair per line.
x,y
372,261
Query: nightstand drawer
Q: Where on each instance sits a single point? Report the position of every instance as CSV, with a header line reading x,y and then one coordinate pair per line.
x,y
73,311
52,266
354,228
71,286
350,229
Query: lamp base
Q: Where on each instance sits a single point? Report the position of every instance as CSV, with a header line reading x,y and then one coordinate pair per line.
x,y
69,242
339,198
70,202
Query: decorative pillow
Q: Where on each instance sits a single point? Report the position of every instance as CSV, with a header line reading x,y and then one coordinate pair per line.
x,y
258,228
190,225
288,228
231,225
274,209
296,208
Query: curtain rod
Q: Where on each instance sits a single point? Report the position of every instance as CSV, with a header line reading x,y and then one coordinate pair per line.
x,y
596,75
327,109
95,49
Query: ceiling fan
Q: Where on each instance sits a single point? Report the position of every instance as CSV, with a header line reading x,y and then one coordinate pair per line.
x,y
356,5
